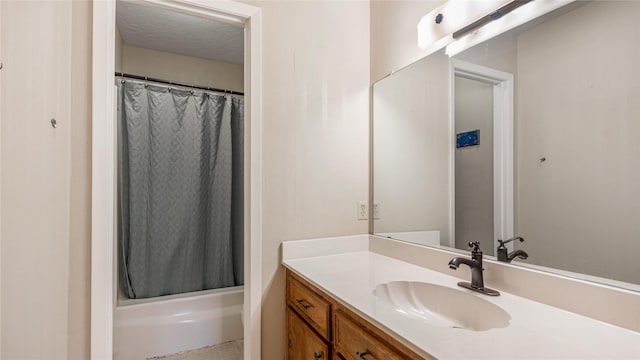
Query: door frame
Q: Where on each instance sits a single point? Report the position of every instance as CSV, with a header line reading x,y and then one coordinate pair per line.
x,y
103,192
503,147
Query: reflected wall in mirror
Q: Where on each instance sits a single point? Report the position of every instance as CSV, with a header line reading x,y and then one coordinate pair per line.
x,y
575,171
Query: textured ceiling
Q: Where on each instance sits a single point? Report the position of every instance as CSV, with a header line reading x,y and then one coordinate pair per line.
x,y
163,30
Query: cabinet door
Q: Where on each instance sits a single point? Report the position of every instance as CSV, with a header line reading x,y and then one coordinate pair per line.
x,y
302,342
353,341
311,306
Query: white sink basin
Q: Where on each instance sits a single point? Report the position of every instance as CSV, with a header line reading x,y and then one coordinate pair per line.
x,y
442,306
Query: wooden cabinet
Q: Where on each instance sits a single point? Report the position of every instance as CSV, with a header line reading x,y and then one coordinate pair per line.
x,y
354,338
320,327
352,342
302,341
310,304
308,321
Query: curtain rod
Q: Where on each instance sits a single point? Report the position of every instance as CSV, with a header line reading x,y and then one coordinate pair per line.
x,y
138,77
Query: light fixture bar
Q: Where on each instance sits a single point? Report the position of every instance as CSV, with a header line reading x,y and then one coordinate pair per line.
x,y
489,18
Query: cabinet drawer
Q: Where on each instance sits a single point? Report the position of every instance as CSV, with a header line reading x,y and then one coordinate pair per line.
x,y
302,342
352,341
309,305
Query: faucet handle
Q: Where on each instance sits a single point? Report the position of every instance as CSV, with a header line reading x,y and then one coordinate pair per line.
x,y
503,242
475,245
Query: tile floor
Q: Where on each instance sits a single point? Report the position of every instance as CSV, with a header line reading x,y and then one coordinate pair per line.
x,y
231,350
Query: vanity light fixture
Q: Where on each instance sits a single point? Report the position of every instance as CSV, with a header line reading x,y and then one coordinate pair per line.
x,y
461,24
489,18
435,29
520,12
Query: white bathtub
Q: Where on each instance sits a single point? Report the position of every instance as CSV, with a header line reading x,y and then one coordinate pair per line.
x,y
170,324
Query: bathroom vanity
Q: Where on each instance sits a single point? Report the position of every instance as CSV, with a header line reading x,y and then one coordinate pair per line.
x,y
341,304
521,129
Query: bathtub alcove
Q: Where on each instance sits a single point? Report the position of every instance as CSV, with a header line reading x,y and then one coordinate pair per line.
x,y
170,324
179,82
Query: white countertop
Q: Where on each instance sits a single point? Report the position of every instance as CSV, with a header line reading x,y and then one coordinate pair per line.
x,y
536,331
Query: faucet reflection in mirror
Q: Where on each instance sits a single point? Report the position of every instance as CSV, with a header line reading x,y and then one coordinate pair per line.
x,y
506,256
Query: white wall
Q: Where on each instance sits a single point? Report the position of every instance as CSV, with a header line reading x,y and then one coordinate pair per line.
x,y
181,68
411,148
35,179
119,50
579,109
35,188
499,53
316,127
79,304
394,34
45,200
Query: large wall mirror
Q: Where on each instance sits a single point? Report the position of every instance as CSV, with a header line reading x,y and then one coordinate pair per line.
x,y
532,133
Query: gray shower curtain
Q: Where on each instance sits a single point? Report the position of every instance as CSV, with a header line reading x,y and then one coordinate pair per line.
x,y
180,189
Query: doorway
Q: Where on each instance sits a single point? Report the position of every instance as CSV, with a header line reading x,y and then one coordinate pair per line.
x,y
103,291
482,155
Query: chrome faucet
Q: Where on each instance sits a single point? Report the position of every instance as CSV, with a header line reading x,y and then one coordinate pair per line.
x,y
504,255
475,264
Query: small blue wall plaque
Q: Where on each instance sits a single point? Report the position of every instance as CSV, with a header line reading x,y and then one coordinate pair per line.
x,y
469,138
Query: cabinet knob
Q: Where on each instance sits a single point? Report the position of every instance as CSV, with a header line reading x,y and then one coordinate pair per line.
x,y
363,355
317,356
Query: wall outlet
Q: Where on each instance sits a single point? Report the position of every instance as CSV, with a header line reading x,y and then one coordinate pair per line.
x,y
363,210
376,211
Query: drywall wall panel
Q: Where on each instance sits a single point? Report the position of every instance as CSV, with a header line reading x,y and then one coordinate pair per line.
x,y
119,51
35,164
315,140
394,34
181,68
79,303
578,109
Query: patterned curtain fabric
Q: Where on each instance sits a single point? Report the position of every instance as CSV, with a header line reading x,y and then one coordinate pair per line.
x,y
180,189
